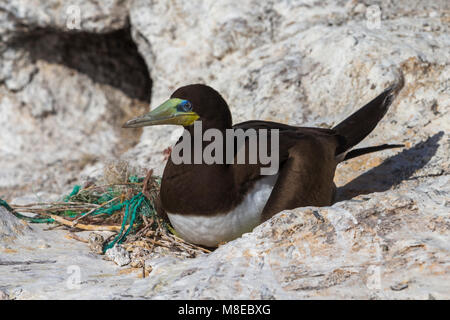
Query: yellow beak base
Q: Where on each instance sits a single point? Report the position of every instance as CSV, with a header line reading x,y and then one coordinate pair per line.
x,y
166,113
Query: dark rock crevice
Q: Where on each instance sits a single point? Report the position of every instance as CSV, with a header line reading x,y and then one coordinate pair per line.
x,y
109,58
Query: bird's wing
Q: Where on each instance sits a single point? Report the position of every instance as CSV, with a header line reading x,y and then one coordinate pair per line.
x,y
288,137
306,177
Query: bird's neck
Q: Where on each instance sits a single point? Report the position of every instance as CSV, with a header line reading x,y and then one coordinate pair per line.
x,y
191,184
205,125
197,188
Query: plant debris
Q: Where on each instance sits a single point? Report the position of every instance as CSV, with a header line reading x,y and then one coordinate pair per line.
x,y
122,204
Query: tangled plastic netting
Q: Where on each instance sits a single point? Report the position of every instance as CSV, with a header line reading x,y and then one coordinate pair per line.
x,y
121,202
107,204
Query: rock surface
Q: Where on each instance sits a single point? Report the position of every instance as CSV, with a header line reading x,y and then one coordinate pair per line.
x,y
66,85
40,264
65,91
119,255
366,248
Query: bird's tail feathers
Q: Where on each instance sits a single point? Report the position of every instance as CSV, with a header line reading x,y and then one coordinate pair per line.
x,y
359,152
357,126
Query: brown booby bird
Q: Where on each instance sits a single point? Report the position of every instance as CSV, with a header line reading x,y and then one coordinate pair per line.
x,y
211,203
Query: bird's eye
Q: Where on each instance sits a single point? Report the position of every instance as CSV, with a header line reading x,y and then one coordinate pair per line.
x,y
185,106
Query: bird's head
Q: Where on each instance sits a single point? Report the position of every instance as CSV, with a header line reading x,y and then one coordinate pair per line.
x,y
195,102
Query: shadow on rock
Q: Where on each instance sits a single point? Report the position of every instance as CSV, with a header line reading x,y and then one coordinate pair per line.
x,y
108,58
392,171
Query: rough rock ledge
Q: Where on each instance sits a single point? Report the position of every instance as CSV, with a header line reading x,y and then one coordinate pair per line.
x,y
388,236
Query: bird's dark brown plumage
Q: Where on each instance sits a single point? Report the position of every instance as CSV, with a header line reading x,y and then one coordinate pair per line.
x,y
308,159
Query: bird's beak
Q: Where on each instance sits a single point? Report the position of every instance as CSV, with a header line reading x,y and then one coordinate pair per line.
x,y
167,113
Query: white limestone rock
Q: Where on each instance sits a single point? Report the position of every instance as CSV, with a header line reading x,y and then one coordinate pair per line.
x,y
93,16
119,255
10,227
64,92
295,62
36,263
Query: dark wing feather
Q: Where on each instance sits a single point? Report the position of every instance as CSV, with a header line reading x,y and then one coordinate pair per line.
x,y
289,136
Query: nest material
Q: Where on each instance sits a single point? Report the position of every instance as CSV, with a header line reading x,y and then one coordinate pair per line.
x,y
105,207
